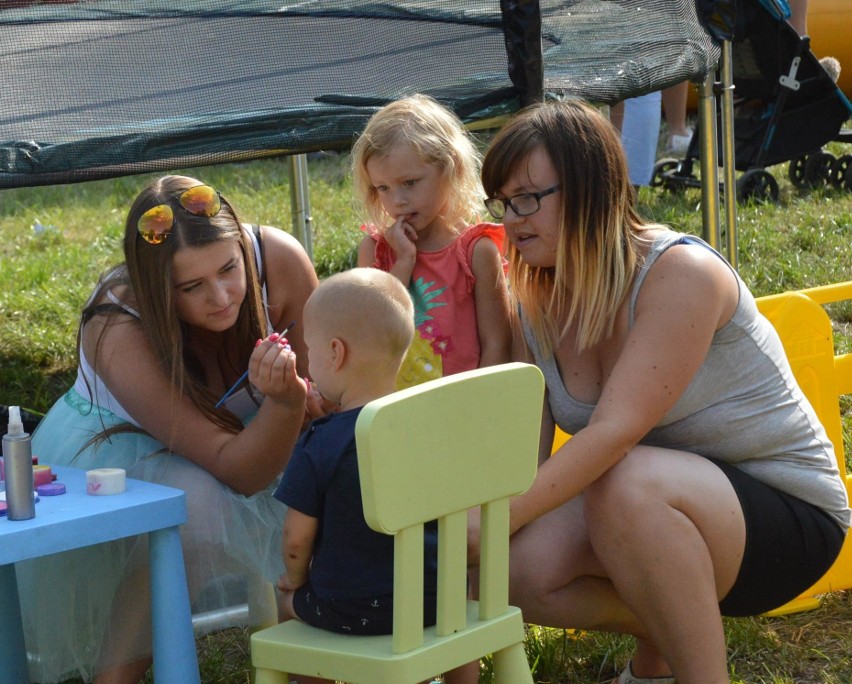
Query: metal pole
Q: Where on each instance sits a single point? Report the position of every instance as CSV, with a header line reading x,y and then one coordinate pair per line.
x,y
729,161
300,202
709,162
522,34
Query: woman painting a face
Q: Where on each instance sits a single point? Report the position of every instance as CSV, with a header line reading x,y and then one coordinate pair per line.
x,y
163,336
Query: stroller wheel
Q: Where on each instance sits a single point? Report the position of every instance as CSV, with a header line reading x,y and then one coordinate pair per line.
x,y
818,169
757,185
664,174
840,175
797,171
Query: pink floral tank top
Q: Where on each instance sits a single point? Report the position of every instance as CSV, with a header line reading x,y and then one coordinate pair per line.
x,y
446,337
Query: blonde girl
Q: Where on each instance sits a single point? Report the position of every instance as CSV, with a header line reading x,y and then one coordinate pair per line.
x,y
416,173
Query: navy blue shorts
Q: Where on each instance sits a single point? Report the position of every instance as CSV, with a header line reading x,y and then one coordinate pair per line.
x,y
365,616
789,545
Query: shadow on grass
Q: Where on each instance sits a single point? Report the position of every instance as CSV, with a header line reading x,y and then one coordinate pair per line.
x,y
32,386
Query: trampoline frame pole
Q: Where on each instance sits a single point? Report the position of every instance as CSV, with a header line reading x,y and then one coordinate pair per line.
x,y
521,21
709,162
300,202
729,162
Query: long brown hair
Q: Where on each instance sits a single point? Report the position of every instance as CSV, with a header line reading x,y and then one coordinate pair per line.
x,y
147,274
597,252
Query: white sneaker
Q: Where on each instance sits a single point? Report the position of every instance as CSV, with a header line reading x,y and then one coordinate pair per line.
x,y
626,676
678,144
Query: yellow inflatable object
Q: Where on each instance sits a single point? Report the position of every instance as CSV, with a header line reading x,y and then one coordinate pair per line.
x,y
829,25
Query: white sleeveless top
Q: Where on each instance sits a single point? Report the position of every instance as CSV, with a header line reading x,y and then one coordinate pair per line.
x,y
240,403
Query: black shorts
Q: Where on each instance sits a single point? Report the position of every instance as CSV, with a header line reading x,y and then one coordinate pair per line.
x,y
365,616
789,545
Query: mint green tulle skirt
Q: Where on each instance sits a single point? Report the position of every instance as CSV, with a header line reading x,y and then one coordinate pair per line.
x,y
88,610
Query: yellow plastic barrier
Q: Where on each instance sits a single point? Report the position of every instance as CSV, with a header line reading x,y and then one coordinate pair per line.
x,y
806,333
829,22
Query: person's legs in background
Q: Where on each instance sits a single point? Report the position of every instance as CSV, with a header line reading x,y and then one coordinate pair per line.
x,y
799,16
674,107
638,119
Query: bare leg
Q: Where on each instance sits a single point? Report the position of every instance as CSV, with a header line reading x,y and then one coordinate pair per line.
x,y
674,108
122,659
131,673
642,541
799,16
616,114
285,605
671,550
556,580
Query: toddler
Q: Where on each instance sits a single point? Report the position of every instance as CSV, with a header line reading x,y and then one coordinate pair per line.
x,y
339,572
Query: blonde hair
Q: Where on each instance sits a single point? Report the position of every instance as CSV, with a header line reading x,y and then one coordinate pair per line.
x,y
369,309
598,244
439,137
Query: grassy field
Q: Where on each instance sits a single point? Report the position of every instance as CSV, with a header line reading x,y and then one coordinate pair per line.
x,y
54,241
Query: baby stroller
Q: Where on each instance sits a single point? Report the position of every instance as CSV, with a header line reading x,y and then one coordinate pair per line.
x,y
786,107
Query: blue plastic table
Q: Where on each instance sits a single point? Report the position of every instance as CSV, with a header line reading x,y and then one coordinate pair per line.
x,y
75,520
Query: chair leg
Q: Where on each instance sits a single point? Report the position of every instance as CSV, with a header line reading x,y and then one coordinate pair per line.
x,y
511,666
262,676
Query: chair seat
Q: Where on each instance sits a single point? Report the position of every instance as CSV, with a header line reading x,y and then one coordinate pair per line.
x,y
297,648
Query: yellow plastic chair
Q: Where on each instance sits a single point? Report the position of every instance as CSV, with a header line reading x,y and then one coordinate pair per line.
x,y
807,336
432,452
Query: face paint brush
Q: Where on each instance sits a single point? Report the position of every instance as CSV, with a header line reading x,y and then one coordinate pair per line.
x,y
242,378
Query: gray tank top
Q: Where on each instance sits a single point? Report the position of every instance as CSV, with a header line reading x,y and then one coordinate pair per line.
x,y
743,406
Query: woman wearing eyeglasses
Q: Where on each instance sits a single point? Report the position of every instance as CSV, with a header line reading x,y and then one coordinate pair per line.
x,y
698,481
161,340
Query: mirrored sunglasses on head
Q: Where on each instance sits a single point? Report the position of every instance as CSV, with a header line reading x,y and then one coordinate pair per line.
x,y
156,224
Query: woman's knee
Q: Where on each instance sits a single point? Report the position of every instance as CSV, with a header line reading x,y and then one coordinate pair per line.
x,y
550,552
632,480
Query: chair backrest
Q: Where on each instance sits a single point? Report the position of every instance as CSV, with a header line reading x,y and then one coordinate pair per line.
x,y
434,451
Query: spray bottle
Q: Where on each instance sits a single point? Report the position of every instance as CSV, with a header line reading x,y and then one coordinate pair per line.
x,y
18,463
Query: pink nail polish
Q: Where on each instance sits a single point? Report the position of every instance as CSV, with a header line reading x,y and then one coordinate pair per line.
x,y
273,337
257,344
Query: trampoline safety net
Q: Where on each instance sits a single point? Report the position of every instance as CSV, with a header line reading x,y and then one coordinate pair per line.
x,y
103,88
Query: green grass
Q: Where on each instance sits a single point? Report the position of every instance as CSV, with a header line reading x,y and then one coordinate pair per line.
x,y
45,276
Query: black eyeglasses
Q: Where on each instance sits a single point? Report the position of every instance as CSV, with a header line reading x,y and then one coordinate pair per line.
x,y
156,224
525,204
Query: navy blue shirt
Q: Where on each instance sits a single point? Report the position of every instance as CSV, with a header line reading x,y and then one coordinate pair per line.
x,y
350,560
